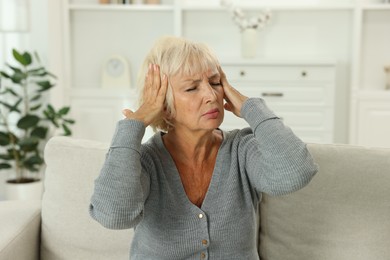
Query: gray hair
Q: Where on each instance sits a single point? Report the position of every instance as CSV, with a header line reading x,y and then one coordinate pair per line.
x,y
175,56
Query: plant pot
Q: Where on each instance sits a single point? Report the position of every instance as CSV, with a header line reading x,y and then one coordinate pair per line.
x,y
249,43
32,189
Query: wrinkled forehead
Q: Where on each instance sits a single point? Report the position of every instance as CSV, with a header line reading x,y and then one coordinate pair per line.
x,y
197,65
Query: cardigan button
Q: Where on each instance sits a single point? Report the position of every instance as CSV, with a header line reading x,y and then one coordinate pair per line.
x,y
200,215
202,255
204,242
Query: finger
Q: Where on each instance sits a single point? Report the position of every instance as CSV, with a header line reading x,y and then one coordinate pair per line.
x,y
223,77
228,107
156,79
127,112
164,86
148,82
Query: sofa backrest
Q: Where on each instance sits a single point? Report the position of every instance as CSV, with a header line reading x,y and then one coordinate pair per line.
x,y
343,214
67,230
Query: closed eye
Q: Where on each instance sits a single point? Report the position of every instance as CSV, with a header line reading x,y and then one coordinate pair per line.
x,y
215,84
190,89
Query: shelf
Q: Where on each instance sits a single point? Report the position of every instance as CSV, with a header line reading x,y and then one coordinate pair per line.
x,y
376,7
320,7
277,61
373,95
103,93
117,7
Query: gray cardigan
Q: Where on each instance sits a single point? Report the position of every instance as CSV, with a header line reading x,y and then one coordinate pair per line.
x,y
139,186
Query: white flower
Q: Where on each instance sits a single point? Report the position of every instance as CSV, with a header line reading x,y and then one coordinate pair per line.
x,y
243,22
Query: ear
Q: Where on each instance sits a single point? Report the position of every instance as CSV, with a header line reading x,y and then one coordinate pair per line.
x,y
167,114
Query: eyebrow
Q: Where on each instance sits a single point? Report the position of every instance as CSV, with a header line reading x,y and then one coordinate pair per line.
x,y
199,80
215,76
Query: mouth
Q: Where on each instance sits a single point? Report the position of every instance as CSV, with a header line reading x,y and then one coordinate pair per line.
x,y
212,113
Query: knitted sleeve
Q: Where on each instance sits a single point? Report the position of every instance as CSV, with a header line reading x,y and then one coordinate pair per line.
x,y
122,187
276,160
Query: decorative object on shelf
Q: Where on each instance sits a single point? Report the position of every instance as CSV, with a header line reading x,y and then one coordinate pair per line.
x,y
104,2
27,120
387,71
137,2
249,27
249,42
153,2
116,73
14,15
201,2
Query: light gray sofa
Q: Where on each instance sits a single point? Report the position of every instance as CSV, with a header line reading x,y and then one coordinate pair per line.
x,y
343,214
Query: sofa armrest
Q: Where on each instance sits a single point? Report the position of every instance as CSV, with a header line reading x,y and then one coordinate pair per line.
x,y
20,230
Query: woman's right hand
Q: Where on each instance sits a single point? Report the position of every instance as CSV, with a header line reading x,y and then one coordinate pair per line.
x,y
155,89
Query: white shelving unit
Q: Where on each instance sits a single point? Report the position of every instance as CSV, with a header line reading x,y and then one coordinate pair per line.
x,y
370,102
346,33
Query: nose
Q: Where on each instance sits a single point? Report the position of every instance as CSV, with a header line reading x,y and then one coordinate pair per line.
x,y
209,93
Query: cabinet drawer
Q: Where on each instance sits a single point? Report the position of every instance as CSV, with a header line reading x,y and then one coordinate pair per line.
x,y
310,135
303,117
279,73
285,94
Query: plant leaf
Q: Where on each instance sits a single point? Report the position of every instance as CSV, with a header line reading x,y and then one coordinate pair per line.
x,y
34,159
37,57
29,143
28,121
18,77
63,111
35,107
27,58
45,85
36,97
20,58
10,107
39,132
51,109
5,166
70,121
67,131
37,72
15,69
6,156
5,75
8,90
4,139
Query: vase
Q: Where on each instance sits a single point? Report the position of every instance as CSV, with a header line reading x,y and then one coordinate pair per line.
x,y
249,42
24,191
387,72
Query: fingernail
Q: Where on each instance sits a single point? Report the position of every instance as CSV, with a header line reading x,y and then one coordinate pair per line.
x,y
164,76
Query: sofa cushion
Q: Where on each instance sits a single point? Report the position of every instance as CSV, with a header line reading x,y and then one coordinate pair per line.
x,y
20,226
68,232
342,214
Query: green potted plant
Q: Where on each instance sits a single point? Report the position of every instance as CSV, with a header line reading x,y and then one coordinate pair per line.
x,y
27,119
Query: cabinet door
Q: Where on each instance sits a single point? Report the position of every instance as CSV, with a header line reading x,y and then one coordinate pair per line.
x,y
96,118
373,126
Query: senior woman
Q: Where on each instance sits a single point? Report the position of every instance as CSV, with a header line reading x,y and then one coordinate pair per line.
x,y
192,191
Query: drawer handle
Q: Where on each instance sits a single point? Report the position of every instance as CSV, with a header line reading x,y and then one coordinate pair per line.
x,y
303,73
242,73
272,94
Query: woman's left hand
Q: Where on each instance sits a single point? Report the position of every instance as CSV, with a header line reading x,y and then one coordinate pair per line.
x,y
234,99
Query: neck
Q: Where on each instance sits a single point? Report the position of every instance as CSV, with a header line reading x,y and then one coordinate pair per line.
x,y
193,147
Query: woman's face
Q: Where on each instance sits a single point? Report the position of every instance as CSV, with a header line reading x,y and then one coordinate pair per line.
x,y
198,100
